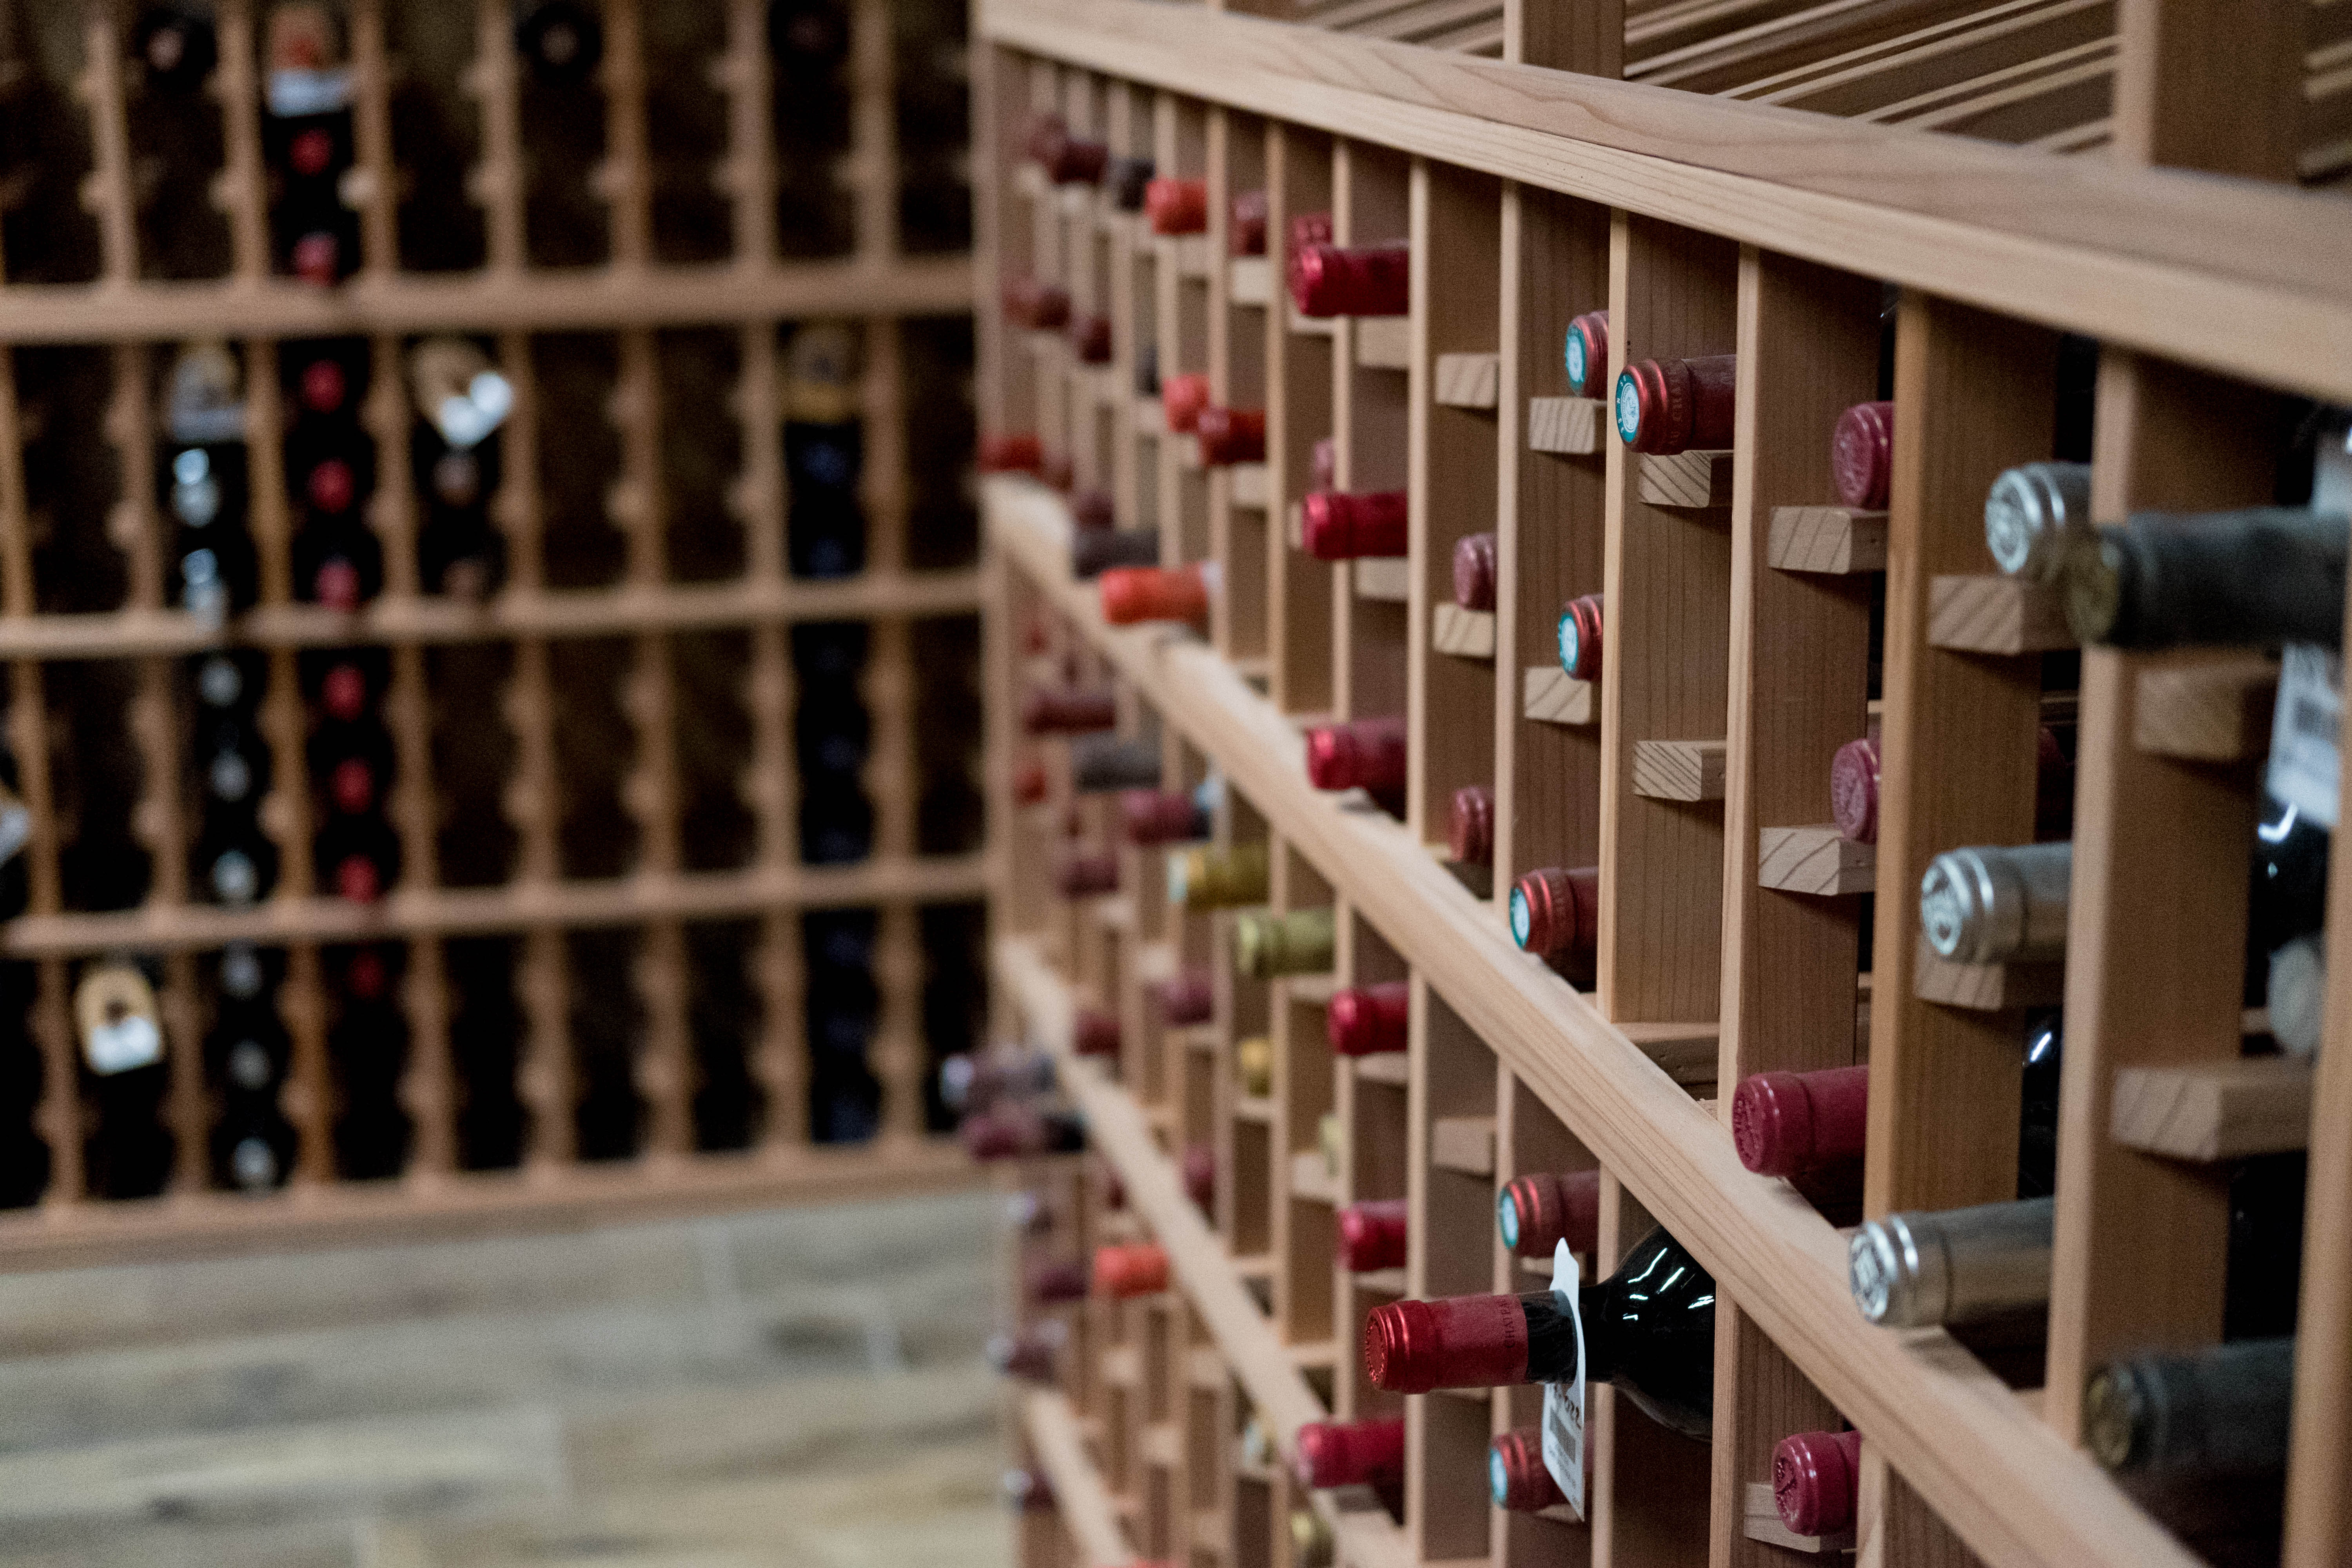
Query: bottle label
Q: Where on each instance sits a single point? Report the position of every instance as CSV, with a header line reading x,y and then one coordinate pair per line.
x,y
1563,1402
2304,765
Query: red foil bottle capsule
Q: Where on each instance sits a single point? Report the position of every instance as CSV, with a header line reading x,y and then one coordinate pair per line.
x,y
1372,1235
1536,1213
1580,637
1199,1169
1816,1480
1351,1453
1517,1480
1792,1123
1151,816
1176,206
1095,1033
1585,353
1077,162
1245,231
1368,754
318,259
1137,1269
1017,454
1188,998
1229,436
1133,594
1086,875
324,386
1051,1284
1556,912
1352,280
1068,709
1463,1341
1862,455
1090,339
1091,511
331,486
1370,1020
1036,304
1306,229
1474,570
1335,525
1470,830
1182,398
1029,785
1854,790
343,693
1667,406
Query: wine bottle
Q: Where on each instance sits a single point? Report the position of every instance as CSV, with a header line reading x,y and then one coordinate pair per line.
x,y
1664,406
1068,709
1100,765
826,524
1352,280
237,864
1018,1133
1090,338
1128,178
1817,1482
970,1084
2033,514
1474,570
1335,525
560,41
1197,1170
1270,946
1585,352
460,400
1369,1020
1555,913
1211,879
1181,399
1311,1542
1092,511
1372,1235
1535,1213
2287,895
1580,637
1036,304
252,1147
1517,1480
836,824
307,138
1954,1266
2199,1416
1470,827
1229,436
237,773
1070,160
1351,1453
1187,998
205,492
1093,1033
1094,553
2250,578
129,1152
1649,1329
175,47
1021,453
2297,992
1176,206
1853,788
1245,224
1997,904
1254,1065
1140,1268
1053,1284
1086,875
1367,754
1031,1354
1861,455
1150,818
1134,595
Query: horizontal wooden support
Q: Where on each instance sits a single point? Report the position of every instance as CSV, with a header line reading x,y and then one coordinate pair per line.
x,y
1836,541
515,906
2220,1110
1995,614
1819,861
554,615
1761,1520
1550,695
1249,280
1081,1499
1463,1143
1467,381
1678,770
2214,712
1686,1053
1571,426
1188,253
1686,481
1161,1443
1384,342
1151,417
1252,1108
1316,990
1250,485
1379,1281
1384,1067
1986,987
1311,1178
1385,577
1464,634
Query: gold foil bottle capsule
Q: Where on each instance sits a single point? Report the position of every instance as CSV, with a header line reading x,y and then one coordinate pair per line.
x,y
1209,878
1268,946
1254,1065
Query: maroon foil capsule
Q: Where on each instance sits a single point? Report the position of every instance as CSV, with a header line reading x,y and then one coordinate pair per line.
x,y
1051,1284
1372,1235
1517,1478
1351,1453
1327,464
1229,436
1306,229
1068,709
1152,817
1044,135
1246,233
1029,784
1854,790
1036,304
1352,280
1090,339
1095,1033
1086,875
1861,454
1177,206
1029,1355
1369,1020
1189,998
1474,572
1077,162
1556,912
1199,1171
1790,1123
1586,353
1470,831
1677,404
1020,454
1368,754
1540,1211
1466,1341
1335,525
1091,511
1816,1479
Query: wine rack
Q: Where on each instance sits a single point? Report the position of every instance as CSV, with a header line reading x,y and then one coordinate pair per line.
x,y
1692,770
600,937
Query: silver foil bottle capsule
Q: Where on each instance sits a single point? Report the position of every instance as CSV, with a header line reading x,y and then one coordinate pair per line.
x,y
1997,904
2029,510
1954,1266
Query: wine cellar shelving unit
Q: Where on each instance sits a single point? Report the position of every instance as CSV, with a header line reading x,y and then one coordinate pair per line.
x,y
593,769
1528,196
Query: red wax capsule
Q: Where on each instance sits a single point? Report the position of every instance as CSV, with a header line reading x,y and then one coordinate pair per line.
x,y
1536,1213
1073,161
1586,353
1229,436
322,386
1245,233
1473,571
1336,525
1462,1342
357,879
1135,594
1016,454
1176,206
1351,1453
1095,1033
1369,1020
1086,875
1861,454
1372,1235
1816,1479
1352,280
352,785
1182,398
1789,1123
1029,784
1369,753
1470,831
1090,337
1068,709
1556,912
1034,303
330,486
1517,1480
1677,404
1189,998
311,152
1140,1268
1160,817
343,693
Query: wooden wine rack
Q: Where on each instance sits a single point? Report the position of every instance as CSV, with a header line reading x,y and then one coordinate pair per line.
x,y
631,304
1693,773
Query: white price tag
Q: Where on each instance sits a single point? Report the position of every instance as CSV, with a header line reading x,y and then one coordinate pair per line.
x,y
2303,766
1563,1402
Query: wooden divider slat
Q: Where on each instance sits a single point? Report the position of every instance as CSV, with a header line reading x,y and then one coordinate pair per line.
x,y
496,181
624,179
874,132
1371,438
374,180
750,173
106,191
241,189
1299,388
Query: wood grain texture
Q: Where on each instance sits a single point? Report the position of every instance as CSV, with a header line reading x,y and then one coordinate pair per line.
x,y
2225,1110
1985,987
1464,1144
1383,579
1463,633
2207,712
1550,695
1299,391
1686,481
1995,614
1571,426
1249,279
1468,380
1678,770
1383,342
1835,539
1086,1510
1819,861
1759,1520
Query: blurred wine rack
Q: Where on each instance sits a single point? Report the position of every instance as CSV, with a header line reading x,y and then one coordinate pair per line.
x,y
617,912
1530,189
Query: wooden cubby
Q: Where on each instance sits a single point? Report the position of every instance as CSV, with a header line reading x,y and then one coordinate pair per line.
x,y
602,883
1753,628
